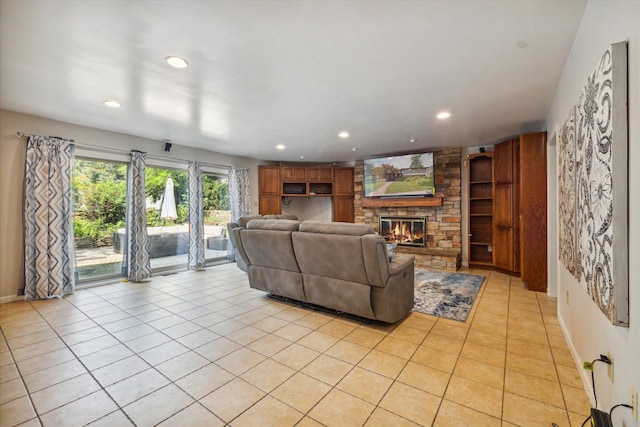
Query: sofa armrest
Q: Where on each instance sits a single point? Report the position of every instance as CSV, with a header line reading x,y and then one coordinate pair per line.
x,y
400,263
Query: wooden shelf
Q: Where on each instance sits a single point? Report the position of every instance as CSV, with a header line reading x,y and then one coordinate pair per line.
x,y
368,202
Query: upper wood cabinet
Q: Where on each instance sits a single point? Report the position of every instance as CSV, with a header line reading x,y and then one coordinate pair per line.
x,y
343,183
269,180
293,173
320,174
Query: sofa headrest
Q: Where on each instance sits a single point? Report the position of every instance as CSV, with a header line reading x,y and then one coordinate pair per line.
x,y
343,228
273,224
243,220
281,216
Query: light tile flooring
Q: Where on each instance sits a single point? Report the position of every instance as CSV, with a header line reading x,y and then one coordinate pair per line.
x,y
203,349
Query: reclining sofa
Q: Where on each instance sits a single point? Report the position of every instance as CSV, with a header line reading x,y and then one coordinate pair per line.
x,y
341,266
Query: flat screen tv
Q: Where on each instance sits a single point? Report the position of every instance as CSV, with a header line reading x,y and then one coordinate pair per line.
x,y
407,175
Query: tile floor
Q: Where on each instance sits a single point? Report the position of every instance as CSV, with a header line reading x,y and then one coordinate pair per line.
x,y
202,348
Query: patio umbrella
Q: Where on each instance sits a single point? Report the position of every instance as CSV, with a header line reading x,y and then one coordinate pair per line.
x,y
168,209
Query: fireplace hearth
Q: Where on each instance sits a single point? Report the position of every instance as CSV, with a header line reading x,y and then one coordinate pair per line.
x,y
405,231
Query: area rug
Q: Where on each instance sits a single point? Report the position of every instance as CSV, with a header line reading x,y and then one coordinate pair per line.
x,y
448,295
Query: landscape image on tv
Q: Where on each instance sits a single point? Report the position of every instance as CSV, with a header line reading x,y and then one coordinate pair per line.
x,y
399,176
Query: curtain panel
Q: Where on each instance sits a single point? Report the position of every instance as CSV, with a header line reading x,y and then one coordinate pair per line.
x,y
139,264
196,256
47,214
239,198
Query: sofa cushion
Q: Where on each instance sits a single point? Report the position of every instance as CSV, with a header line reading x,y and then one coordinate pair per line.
x,y
342,228
273,224
281,216
243,220
269,248
331,255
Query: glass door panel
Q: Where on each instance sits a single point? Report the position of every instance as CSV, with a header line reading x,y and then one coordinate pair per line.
x,y
99,213
216,216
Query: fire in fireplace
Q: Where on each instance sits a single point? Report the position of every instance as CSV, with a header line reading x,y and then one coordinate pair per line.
x,y
405,231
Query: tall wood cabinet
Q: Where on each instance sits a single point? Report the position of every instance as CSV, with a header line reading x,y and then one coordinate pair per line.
x,y
520,208
508,208
343,195
480,173
269,201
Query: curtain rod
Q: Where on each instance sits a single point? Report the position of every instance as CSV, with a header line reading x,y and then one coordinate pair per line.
x,y
21,134
116,151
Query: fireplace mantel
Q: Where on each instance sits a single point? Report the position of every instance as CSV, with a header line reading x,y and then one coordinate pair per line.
x,y
395,202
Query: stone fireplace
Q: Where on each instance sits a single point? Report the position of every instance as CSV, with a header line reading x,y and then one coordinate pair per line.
x,y
441,247
404,231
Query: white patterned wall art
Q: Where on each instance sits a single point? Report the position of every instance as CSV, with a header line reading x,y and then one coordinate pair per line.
x,y
601,151
566,141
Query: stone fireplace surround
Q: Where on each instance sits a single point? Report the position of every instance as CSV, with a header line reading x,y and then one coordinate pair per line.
x,y
444,233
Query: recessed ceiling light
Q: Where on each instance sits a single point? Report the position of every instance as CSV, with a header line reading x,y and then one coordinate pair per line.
x,y
354,149
112,104
344,134
301,157
280,147
412,140
177,62
443,115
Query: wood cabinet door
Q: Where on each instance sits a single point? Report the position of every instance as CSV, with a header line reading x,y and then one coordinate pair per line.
x,y
503,162
320,174
503,247
293,173
343,209
343,183
269,180
269,205
533,210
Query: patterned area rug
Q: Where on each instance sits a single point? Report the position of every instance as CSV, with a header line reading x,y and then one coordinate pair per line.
x,y
448,295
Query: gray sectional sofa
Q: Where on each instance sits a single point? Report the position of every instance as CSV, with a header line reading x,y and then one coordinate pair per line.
x,y
341,266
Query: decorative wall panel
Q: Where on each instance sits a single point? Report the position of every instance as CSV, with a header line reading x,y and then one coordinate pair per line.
x,y
566,142
601,151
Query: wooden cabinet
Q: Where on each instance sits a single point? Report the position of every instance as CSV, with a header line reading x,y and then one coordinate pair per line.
x,y
276,182
343,182
344,194
320,174
480,173
520,208
533,210
269,180
293,173
504,212
269,190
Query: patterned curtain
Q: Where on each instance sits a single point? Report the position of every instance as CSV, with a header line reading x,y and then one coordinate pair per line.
x,y
138,240
196,259
239,195
48,232
239,199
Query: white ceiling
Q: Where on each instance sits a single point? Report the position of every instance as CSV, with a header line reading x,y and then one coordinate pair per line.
x,y
296,73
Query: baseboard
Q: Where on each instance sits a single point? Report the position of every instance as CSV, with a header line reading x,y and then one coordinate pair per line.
x,y
586,378
11,298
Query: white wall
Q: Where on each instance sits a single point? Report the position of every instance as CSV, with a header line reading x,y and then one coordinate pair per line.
x,y
12,161
587,329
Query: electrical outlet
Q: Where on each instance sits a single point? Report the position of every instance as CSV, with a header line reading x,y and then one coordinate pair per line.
x,y
634,402
610,366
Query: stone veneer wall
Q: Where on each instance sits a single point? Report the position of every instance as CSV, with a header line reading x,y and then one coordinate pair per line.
x,y
444,231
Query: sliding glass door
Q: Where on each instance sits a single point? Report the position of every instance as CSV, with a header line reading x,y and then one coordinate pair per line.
x,y
99,189
216,216
167,217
